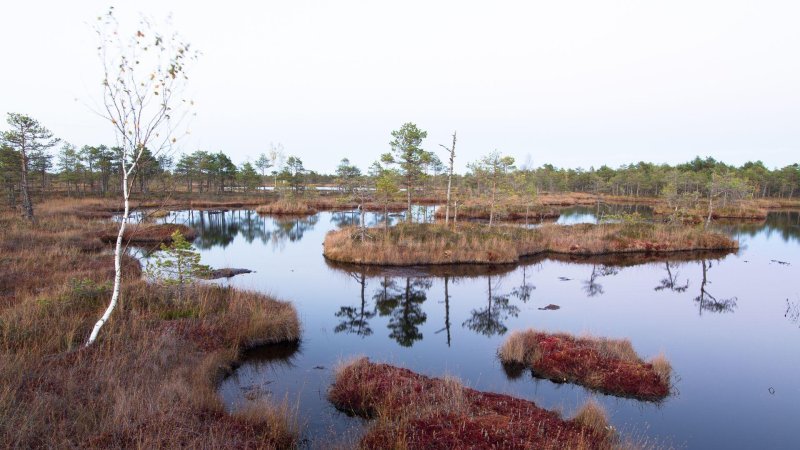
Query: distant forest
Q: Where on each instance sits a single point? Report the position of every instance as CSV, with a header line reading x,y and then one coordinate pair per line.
x,y
95,170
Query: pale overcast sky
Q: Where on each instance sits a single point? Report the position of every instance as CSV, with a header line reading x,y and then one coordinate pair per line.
x,y
572,83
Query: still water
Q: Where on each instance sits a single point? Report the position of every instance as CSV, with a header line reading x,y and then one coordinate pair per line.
x,y
729,324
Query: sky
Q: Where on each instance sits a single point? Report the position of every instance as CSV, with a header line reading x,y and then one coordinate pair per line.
x,y
571,83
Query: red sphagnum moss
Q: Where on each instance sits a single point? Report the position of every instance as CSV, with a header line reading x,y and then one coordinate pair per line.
x,y
610,366
415,411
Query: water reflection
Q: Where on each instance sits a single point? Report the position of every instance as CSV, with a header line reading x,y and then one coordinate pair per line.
x,y
591,286
355,319
524,290
220,228
402,302
708,302
490,321
671,281
785,224
792,311
446,308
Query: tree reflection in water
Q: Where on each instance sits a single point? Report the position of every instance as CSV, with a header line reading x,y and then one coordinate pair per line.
x,y
291,229
524,290
446,309
404,306
591,286
671,281
489,321
219,228
355,320
792,311
707,301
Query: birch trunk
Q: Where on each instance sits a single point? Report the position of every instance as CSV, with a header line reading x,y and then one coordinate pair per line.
x,y
117,263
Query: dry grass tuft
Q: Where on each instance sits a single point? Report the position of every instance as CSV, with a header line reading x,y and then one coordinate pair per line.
x,y
662,367
287,208
606,365
592,415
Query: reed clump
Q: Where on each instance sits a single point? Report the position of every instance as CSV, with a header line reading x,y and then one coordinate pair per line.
x,y
421,244
150,380
415,411
287,207
610,366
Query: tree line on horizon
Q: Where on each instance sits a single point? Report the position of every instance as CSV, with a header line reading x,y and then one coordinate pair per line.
x,y
95,170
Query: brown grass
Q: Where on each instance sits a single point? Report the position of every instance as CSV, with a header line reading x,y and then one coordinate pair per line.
x,y
150,380
415,411
506,211
745,211
420,244
144,234
592,415
342,204
607,365
287,207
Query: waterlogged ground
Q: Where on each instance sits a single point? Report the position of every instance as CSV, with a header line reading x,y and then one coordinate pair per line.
x,y
730,326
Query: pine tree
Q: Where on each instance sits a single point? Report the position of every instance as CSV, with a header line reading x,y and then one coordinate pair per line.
x,y
177,265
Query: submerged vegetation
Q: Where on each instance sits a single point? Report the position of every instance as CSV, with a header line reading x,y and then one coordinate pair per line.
x,y
419,244
415,411
150,379
610,366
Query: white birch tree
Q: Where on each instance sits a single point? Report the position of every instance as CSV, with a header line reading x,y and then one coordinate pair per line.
x,y
144,78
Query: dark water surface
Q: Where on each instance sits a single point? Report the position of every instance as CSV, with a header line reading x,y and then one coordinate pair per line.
x,y
730,325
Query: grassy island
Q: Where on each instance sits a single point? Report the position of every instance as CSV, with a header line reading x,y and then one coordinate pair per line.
x,y
505,212
422,244
150,380
288,208
610,366
415,411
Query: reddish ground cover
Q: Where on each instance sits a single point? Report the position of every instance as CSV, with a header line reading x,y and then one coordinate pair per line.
x,y
607,365
415,411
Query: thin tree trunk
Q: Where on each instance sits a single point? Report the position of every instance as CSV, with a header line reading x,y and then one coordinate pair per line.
x,y
450,181
117,262
408,195
27,205
491,207
447,308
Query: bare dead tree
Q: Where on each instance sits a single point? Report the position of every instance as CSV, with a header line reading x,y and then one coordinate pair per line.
x,y
452,152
